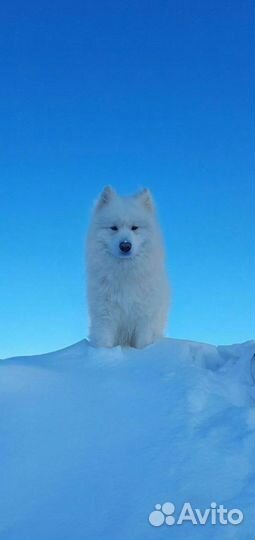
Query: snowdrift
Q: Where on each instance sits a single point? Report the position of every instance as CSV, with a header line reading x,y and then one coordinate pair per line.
x,y
94,442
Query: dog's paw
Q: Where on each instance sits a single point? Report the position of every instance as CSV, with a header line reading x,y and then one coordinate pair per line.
x,y
102,341
143,341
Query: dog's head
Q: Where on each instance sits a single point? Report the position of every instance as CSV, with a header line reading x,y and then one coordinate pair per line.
x,y
124,226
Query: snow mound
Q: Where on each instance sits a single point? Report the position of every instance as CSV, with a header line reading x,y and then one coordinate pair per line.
x,y
93,439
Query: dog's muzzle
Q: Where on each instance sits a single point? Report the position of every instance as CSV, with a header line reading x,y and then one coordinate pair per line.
x,y
125,246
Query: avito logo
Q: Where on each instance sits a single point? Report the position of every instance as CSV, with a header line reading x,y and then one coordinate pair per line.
x,y
165,514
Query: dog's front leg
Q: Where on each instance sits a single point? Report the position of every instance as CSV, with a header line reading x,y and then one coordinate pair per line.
x,y
103,333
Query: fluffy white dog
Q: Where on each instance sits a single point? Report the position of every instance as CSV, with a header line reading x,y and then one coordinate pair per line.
x,y
128,292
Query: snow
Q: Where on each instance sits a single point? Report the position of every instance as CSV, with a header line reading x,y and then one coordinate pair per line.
x,y
93,439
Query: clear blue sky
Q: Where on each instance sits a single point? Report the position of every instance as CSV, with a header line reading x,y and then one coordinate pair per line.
x,y
152,93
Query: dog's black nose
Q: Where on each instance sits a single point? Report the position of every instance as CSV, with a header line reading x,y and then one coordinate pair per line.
x,y
125,247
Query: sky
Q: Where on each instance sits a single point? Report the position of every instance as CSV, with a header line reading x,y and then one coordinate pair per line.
x,y
154,94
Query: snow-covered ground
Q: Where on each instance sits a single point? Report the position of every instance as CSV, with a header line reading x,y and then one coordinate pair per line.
x,y
91,440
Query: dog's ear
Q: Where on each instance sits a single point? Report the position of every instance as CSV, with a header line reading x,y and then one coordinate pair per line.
x,y
106,196
146,197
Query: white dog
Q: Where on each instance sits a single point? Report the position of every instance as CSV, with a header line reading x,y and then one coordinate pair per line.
x,y
128,292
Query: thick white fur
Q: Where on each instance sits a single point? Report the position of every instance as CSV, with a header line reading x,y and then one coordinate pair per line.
x,y
128,295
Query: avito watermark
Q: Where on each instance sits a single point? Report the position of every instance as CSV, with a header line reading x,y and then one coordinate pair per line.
x,y
215,514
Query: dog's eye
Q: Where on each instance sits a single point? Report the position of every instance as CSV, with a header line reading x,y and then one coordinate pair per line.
x,y
114,228
134,228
